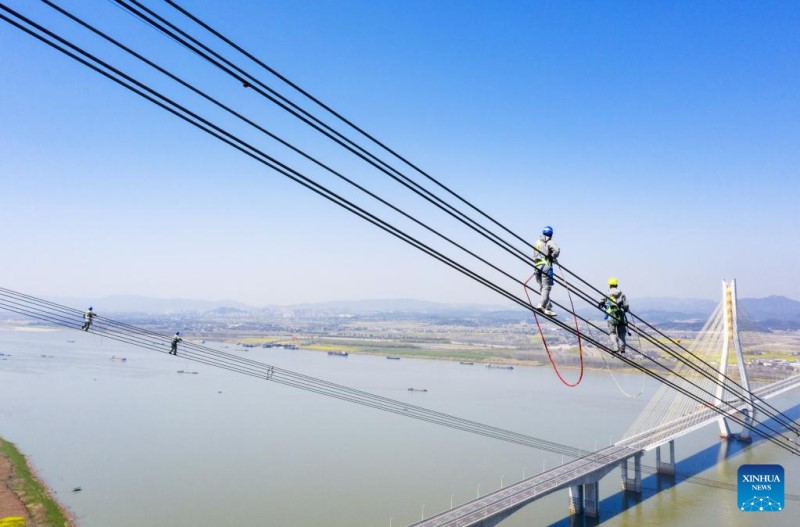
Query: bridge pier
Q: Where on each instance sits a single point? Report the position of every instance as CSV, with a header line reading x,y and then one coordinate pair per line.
x,y
584,498
632,484
744,435
724,429
666,467
591,492
576,499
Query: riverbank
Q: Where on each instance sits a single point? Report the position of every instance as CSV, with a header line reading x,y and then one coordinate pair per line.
x,y
566,358
22,494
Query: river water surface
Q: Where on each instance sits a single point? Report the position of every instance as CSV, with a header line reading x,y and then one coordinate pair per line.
x,y
149,446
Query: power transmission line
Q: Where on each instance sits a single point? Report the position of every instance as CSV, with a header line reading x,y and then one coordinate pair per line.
x,y
283,169
56,314
182,37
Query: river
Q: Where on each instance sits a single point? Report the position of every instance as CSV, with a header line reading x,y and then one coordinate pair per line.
x,y
150,446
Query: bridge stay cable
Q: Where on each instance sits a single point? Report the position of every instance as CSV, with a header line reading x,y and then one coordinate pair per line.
x,y
252,155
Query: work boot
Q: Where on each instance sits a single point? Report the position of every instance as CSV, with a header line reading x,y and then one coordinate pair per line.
x,y
546,311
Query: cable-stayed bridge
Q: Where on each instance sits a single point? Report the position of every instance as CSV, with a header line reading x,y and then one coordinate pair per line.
x,y
669,416
581,476
694,393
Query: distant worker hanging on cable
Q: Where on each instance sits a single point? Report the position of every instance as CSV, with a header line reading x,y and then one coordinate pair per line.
x,y
545,254
87,318
177,338
615,306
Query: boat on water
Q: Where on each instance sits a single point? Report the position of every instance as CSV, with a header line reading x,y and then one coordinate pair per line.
x,y
417,389
120,359
279,345
499,367
188,372
338,353
393,357
467,363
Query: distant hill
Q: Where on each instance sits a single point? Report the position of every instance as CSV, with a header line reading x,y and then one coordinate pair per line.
x,y
397,305
657,308
772,312
775,312
142,304
676,305
771,308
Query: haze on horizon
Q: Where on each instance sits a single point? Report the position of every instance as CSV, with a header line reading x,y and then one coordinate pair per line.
x,y
659,140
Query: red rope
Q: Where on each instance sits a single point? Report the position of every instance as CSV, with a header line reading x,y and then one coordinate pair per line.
x,y
544,341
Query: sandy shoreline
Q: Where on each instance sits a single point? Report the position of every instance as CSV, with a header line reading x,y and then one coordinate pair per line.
x,y
24,495
27,329
10,503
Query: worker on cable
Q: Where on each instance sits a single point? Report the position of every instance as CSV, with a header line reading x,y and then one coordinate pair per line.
x,y
615,307
545,253
177,338
87,318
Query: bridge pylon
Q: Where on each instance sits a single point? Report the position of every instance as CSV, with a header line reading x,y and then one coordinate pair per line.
x,y
732,346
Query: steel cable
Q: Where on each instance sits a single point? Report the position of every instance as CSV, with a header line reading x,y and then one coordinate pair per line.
x,y
316,188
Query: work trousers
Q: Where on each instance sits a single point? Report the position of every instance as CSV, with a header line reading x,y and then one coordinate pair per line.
x,y
544,277
617,334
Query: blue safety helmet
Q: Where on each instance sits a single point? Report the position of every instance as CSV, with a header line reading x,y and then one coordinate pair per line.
x,y
547,231
90,308
177,332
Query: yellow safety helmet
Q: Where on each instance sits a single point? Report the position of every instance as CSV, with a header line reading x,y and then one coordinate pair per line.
x,y
613,282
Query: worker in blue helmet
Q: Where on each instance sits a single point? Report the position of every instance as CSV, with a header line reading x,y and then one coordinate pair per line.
x,y
174,347
615,306
87,319
545,253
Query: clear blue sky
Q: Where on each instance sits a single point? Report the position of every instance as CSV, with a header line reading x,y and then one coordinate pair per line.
x,y
660,139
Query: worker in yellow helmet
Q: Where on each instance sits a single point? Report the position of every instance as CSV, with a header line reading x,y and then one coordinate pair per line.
x,y
615,306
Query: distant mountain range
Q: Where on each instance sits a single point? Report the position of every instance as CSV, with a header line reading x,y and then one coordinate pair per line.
x,y
396,305
777,312
143,304
772,312
771,307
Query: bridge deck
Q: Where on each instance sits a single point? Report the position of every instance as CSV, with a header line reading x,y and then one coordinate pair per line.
x,y
575,472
